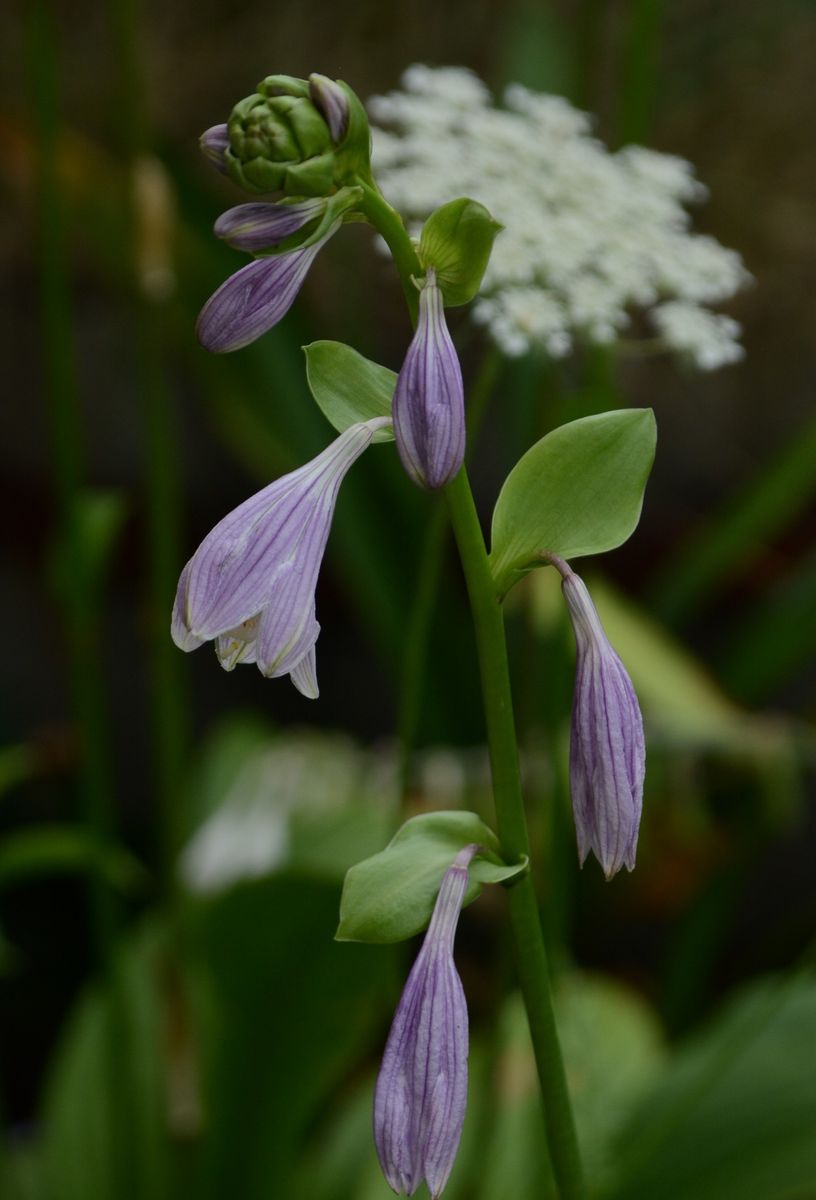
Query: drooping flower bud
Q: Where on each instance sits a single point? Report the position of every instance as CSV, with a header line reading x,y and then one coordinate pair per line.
x,y
429,399
250,584
262,225
421,1093
214,143
607,747
255,298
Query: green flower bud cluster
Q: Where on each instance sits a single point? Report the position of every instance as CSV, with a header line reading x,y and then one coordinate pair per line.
x,y
284,137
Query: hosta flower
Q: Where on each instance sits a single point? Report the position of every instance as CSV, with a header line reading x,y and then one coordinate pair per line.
x,y
250,585
607,750
429,401
255,298
419,1102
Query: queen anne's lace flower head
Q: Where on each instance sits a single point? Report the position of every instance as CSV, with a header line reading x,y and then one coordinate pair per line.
x,y
590,236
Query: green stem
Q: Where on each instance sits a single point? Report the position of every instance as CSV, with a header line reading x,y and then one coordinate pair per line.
x,y
168,708
528,940
389,225
76,589
530,952
420,617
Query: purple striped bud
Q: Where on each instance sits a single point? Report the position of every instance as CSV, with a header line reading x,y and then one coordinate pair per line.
x,y
607,748
332,102
250,584
429,399
260,226
255,298
419,1102
214,143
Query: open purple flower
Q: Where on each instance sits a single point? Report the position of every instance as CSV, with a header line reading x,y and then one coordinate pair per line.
x,y
250,584
429,399
419,1102
607,748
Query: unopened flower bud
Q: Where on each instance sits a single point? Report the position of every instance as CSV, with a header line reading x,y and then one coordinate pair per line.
x,y
429,400
332,101
214,143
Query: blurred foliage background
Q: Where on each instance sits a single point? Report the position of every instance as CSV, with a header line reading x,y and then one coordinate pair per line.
x,y
174,1012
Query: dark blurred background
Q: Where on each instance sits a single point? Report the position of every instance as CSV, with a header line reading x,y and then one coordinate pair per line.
x,y
122,439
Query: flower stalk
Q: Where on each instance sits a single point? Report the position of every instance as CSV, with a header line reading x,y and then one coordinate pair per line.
x,y
528,941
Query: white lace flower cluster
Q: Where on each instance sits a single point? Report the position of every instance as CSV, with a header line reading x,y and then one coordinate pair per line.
x,y
590,236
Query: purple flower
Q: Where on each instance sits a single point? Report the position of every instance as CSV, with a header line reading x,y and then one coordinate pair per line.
x,y
419,1102
255,298
607,749
250,584
261,225
429,399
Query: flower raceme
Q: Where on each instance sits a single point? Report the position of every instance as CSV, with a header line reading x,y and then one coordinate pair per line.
x,y
429,400
250,585
419,1102
607,749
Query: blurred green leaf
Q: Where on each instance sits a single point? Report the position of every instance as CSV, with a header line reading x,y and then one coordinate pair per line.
x,y
613,1051
735,1114
104,1109
577,491
40,850
456,241
390,896
349,388
729,541
291,1013
17,763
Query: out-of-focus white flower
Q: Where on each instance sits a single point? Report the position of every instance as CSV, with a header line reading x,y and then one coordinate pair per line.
x,y
590,237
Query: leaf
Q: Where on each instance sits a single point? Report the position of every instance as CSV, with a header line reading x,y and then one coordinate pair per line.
x,y
578,491
348,387
735,1113
105,1107
456,241
58,849
390,896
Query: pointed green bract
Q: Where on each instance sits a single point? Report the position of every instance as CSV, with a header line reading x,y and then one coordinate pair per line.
x,y
456,242
577,491
348,387
390,896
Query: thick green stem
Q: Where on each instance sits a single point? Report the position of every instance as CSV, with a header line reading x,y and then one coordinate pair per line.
x,y
528,940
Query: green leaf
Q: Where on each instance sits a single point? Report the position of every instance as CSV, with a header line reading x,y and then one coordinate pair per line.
x,y
577,491
456,241
390,896
735,1112
52,849
348,387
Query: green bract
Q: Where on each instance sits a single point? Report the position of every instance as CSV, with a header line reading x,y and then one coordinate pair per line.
x,y
577,491
348,387
280,141
390,896
456,242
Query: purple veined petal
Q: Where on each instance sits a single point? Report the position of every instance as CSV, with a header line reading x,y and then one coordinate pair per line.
x,y
288,628
214,143
421,1093
332,102
230,578
255,298
179,630
607,745
429,399
304,675
258,226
